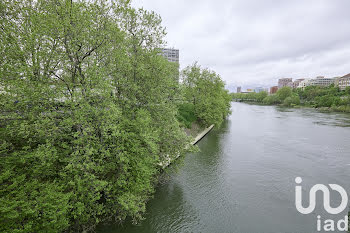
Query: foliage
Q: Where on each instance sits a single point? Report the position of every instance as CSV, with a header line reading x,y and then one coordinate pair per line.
x,y
261,96
87,113
256,97
205,90
320,97
291,101
284,93
271,99
347,90
186,114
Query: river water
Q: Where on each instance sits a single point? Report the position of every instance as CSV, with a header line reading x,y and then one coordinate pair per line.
x,y
243,179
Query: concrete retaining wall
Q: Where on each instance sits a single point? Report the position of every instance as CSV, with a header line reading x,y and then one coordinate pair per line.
x,y
168,160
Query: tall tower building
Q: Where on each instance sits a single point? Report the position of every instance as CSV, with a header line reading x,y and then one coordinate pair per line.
x,y
171,54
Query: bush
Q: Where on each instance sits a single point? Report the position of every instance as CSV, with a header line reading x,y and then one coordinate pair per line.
x,y
347,90
261,96
186,114
327,101
271,99
283,93
291,101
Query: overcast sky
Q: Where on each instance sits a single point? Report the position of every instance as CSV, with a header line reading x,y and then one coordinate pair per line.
x,y
255,42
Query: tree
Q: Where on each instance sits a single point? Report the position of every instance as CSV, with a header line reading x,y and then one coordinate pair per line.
x,y
271,99
283,93
347,90
261,96
206,91
88,113
291,100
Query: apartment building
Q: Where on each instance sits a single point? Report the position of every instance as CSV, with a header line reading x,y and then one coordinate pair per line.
x,y
171,54
273,89
343,82
284,82
297,82
304,83
321,81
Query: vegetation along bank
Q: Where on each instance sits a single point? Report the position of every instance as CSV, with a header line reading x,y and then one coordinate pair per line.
x,y
329,98
88,110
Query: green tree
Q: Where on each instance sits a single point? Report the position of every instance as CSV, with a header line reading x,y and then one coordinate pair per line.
x,y
206,91
88,111
283,93
291,101
347,90
271,99
261,96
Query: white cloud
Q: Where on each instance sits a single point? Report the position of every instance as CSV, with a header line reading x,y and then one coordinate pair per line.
x,y
254,42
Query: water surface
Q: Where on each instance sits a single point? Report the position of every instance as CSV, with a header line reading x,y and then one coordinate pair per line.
x,y
242,180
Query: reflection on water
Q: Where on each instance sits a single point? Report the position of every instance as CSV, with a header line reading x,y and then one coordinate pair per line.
x,y
242,180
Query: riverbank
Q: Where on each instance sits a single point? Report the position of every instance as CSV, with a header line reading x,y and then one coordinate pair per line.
x,y
341,109
232,186
202,134
197,138
330,99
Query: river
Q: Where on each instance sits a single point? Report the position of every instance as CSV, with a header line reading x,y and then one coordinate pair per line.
x,y
243,179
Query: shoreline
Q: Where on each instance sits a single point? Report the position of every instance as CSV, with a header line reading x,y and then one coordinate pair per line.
x,y
320,109
199,137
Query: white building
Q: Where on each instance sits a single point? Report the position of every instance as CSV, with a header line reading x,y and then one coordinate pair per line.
x,y
304,83
322,81
297,82
343,82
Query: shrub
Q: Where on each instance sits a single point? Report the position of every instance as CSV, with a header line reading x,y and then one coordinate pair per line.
x,y
186,114
291,101
271,99
283,93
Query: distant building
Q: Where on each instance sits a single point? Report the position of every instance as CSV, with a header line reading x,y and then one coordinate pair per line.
x,y
273,89
343,82
297,82
239,89
171,54
284,82
304,84
259,89
250,90
321,81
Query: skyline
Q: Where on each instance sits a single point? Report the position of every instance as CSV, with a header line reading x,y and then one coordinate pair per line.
x,y
273,42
